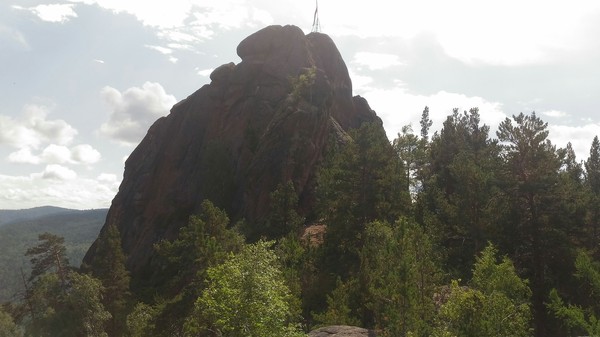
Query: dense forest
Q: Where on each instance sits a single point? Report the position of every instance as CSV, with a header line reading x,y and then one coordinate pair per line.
x,y
458,233
19,230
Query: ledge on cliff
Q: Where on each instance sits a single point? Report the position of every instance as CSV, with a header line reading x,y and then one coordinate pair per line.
x,y
342,331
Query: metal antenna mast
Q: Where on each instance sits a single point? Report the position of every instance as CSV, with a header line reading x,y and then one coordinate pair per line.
x,y
316,26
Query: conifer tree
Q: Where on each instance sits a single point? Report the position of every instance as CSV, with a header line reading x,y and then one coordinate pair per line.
x,y
581,319
399,275
204,242
533,226
49,255
110,270
282,218
592,182
60,301
459,186
361,182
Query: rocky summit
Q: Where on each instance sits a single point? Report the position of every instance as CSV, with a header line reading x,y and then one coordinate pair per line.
x,y
261,122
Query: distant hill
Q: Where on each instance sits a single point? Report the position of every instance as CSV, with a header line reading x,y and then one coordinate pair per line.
x,y
19,230
12,215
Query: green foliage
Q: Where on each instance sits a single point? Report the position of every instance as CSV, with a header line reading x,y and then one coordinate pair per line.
x,y
295,264
459,189
8,328
140,320
495,304
536,216
339,303
205,242
411,151
109,268
83,298
49,254
301,86
399,295
79,228
361,182
592,184
245,296
576,317
71,309
282,218
59,301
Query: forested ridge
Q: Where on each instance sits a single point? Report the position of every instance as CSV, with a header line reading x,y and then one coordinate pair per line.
x,y
455,233
21,229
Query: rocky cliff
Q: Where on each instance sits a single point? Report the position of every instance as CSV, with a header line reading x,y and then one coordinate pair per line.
x,y
263,121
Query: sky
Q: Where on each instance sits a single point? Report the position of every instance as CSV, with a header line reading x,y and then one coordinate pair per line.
x,y
81,81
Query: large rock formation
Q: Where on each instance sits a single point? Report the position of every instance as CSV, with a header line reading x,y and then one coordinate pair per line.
x,y
261,122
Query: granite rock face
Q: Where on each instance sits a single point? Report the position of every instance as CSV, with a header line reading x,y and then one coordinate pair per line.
x,y
342,331
261,122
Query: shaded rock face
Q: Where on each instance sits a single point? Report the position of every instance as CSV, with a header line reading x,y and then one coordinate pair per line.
x,y
256,124
342,331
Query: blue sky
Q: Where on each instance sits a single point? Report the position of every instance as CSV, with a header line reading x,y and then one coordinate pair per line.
x,y
81,81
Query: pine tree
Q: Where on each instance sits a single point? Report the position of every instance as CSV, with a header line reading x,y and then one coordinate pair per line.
x,y
426,123
578,318
459,188
361,182
282,218
533,226
48,255
399,274
110,270
204,242
60,301
411,152
592,167
592,182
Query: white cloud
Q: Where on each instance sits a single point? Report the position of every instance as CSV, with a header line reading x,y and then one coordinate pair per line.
x,y
85,154
56,154
23,156
162,50
376,61
205,72
58,172
134,110
80,193
360,83
398,107
108,177
555,113
34,129
182,24
510,32
580,137
58,13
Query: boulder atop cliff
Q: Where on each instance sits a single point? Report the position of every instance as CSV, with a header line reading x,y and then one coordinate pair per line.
x,y
342,331
261,122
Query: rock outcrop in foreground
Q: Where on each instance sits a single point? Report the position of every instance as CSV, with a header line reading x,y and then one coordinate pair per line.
x,y
264,121
342,331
